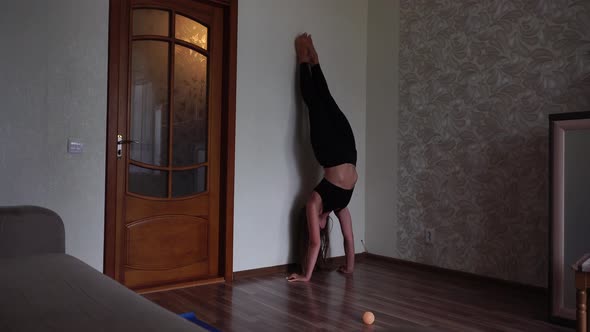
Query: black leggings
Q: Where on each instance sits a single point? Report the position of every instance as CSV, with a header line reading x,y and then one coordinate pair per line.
x,y
332,138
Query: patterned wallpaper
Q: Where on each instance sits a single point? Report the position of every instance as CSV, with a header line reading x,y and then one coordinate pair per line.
x,y
477,81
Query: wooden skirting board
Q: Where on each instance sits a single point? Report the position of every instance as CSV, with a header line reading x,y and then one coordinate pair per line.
x,y
460,274
287,268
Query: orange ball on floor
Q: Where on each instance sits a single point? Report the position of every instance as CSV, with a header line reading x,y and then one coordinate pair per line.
x,y
368,318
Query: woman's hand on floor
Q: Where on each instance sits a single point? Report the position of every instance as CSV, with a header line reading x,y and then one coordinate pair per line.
x,y
344,269
297,277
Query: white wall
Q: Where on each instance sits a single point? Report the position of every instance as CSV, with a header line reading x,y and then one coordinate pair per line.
x,y
275,167
53,85
382,127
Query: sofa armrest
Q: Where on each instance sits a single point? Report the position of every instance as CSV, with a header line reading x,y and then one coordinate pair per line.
x,y
30,230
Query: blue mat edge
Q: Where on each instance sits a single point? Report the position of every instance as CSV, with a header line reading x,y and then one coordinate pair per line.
x,y
193,318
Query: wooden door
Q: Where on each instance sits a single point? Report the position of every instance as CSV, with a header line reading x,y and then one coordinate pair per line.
x,y
169,130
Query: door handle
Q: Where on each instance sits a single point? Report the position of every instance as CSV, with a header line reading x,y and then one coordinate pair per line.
x,y
120,142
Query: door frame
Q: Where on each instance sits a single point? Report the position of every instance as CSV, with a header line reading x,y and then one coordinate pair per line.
x,y
117,64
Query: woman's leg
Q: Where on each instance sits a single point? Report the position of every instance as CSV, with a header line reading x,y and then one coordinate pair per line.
x,y
307,86
313,83
317,74
346,226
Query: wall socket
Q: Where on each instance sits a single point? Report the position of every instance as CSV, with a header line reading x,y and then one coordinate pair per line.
x,y
75,146
429,235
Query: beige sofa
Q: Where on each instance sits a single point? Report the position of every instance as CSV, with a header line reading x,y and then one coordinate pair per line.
x,y
44,289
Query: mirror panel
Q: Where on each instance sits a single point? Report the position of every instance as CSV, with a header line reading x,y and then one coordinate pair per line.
x,y
569,182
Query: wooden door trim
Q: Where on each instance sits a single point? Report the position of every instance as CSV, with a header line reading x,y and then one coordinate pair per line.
x,y
229,124
114,99
118,51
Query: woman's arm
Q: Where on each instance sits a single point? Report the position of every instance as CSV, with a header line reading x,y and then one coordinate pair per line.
x,y
313,209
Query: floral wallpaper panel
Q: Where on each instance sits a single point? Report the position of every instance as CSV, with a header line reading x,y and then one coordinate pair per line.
x,y
478,80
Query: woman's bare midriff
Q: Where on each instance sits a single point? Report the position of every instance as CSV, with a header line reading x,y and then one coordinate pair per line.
x,y
343,176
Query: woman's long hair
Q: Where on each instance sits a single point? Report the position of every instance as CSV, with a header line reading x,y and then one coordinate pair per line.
x,y
322,262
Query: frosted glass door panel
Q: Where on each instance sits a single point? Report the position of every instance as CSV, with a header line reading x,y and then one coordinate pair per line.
x,y
190,107
149,102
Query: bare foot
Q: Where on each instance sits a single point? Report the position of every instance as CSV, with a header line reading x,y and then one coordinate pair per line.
x,y
312,51
302,48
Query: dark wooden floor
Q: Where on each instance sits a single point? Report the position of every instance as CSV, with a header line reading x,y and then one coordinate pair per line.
x,y
403,298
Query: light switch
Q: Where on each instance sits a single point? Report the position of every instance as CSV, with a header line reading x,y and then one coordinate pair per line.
x,y
75,146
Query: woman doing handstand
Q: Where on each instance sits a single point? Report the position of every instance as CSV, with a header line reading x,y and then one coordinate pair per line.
x,y
334,146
